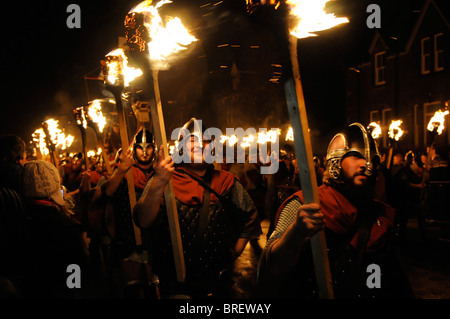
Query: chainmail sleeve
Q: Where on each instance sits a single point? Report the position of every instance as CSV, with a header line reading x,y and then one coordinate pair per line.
x,y
271,283
287,217
247,209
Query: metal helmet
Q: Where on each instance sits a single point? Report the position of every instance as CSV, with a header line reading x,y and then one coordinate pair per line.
x,y
193,127
410,157
143,139
353,139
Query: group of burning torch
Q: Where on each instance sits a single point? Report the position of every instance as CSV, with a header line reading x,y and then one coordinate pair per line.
x,y
152,43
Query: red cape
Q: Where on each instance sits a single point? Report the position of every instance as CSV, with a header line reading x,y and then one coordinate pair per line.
x,y
139,178
190,192
340,216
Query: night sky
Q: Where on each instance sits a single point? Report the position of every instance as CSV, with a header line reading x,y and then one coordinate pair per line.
x,y
45,61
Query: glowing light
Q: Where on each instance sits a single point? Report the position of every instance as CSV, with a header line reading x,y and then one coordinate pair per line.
x,y
290,135
269,136
395,132
438,121
375,129
57,137
95,114
117,66
261,138
311,17
167,37
247,141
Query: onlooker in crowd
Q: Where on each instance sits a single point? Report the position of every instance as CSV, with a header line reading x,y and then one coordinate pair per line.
x,y
56,238
13,223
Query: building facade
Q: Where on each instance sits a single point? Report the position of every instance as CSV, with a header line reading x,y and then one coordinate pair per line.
x,y
406,77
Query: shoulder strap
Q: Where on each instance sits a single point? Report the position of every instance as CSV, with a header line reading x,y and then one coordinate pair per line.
x,y
206,186
204,210
204,214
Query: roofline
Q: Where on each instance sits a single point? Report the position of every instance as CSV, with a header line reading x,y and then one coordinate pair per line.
x,y
374,42
419,21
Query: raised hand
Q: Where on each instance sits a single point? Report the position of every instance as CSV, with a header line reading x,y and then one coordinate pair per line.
x,y
309,219
163,167
126,160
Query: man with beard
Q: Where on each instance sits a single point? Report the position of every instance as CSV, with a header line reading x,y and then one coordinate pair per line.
x,y
217,219
114,203
359,230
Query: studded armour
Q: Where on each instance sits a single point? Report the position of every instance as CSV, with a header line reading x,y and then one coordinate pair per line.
x,y
206,258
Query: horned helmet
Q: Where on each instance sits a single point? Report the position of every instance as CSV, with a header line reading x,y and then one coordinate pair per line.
x,y
354,138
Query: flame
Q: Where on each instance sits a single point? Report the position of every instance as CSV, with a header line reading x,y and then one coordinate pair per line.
x,y
247,141
438,121
395,132
92,153
80,116
261,138
116,65
290,134
95,114
312,17
375,129
270,136
166,38
231,139
57,137
223,139
39,139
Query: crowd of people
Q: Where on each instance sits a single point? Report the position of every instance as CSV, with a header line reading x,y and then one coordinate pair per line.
x,y
112,219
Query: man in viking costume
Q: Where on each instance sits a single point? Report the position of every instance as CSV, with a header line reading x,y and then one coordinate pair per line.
x,y
110,215
217,218
360,231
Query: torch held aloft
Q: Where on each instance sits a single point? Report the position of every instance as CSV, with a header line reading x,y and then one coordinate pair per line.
x,y
169,194
303,149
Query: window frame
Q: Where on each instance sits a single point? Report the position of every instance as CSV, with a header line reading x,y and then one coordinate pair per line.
x,y
423,56
438,53
380,69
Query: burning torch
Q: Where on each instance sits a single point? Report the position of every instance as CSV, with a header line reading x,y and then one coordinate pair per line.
x,y
49,137
154,42
97,121
394,134
436,127
306,17
49,143
375,130
80,118
117,75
